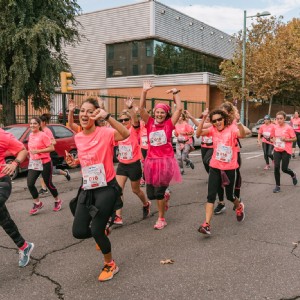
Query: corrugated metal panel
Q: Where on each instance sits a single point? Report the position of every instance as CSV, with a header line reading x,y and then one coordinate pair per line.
x,y
181,29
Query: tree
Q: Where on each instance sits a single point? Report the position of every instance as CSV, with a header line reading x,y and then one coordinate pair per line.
x,y
32,36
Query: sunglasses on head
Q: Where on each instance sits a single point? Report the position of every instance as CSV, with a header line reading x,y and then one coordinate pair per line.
x,y
217,120
123,120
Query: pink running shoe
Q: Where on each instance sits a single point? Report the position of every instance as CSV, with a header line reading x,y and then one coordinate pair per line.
x,y
36,208
57,205
160,224
167,198
267,167
118,220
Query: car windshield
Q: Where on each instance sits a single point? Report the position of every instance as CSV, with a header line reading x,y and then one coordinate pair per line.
x,y
16,131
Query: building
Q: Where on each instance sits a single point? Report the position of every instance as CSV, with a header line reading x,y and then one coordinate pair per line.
x,y
126,45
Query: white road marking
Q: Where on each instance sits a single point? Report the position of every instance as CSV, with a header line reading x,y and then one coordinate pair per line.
x,y
254,156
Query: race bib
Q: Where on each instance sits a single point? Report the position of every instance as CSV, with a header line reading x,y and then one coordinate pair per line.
x,y
125,152
224,153
158,138
35,164
207,139
93,177
267,135
144,140
279,143
296,126
182,139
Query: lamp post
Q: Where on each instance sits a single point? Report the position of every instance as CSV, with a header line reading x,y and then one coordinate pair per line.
x,y
263,14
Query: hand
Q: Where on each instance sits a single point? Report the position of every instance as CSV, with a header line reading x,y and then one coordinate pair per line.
x,y
70,160
128,102
147,85
34,151
173,90
71,105
188,114
205,113
99,113
283,139
9,169
100,102
259,144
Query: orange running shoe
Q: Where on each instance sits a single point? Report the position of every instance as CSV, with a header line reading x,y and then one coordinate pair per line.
x,y
108,271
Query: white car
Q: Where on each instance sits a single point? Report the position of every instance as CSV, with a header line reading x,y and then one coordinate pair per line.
x,y
196,141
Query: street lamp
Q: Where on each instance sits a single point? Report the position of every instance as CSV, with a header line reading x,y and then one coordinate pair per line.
x,y
263,14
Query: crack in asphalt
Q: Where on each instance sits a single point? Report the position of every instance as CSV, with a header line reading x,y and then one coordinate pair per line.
x,y
296,244
293,298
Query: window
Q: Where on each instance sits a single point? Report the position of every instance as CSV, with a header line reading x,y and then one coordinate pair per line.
x,y
149,69
110,51
149,48
135,49
60,131
17,132
135,70
110,71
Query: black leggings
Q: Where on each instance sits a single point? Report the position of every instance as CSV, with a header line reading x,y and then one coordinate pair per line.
x,y
6,221
268,151
285,158
47,176
215,183
86,226
297,141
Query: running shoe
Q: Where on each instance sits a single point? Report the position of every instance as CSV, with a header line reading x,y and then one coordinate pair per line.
x,y
204,228
142,182
187,164
160,224
24,255
240,212
68,176
57,205
295,180
192,165
146,210
108,271
267,167
219,209
277,189
118,220
167,198
293,155
43,191
36,208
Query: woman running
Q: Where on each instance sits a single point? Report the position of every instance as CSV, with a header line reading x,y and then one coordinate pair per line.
x,y
161,167
39,147
100,195
184,132
223,164
144,148
295,123
130,159
283,135
9,143
263,140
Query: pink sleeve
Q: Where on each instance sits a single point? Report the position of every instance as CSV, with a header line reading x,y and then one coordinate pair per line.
x,y
14,146
46,140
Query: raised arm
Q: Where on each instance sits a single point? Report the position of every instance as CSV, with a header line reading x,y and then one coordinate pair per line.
x,y
176,98
132,111
71,123
200,131
147,86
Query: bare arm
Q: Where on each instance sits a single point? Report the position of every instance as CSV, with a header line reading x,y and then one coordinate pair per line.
x,y
71,122
192,118
200,131
10,168
50,148
178,111
147,86
132,111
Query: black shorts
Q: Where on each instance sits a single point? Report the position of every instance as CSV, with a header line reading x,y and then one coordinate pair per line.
x,y
133,171
155,192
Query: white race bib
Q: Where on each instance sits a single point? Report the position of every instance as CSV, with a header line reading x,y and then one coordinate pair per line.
x,y
296,126
144,140
35,164
207,139
224,153
125,152
279,143
158,138
93,177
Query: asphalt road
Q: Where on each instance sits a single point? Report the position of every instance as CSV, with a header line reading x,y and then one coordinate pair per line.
x,y
256,259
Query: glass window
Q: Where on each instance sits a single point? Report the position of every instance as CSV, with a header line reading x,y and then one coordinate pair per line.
x,y
149,48
135,70
110,51
60,131
110,71
17,132
135,49
149,69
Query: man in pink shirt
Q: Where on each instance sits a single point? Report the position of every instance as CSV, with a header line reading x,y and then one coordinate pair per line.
x,y
9,142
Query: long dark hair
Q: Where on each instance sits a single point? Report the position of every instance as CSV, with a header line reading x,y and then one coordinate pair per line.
x,y
95,103
45,118
38,120
221,112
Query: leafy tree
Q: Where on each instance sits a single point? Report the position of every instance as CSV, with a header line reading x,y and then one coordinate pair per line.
x,y
32,36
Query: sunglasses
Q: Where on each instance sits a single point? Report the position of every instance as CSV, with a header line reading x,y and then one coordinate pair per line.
x,y
216,120
123,120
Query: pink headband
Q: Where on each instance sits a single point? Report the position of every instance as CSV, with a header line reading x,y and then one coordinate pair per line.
x,y
165,107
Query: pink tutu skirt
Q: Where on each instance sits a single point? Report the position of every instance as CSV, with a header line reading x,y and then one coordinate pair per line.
x,y
162,171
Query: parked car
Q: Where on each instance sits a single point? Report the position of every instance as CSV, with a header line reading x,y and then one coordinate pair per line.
x,y
196,141
64,141
257,125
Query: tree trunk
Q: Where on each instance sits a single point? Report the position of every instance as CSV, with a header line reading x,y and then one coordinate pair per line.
x,y
270,105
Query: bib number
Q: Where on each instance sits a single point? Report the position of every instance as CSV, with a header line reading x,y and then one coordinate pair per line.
x,y
144,140
125,152
158,138
279,143
224,153
207,139
93,177
35,164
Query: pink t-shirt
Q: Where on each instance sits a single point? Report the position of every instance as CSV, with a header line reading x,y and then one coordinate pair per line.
x,y
283,131
129,149
39,140
160,138
182,130
97,148
225,150
143,136
8,143
266,131
295,123
49,133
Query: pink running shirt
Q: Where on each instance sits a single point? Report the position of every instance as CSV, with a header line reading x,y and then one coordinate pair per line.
x,y
295,123
225,150
39,140
160,138
97,148
283,131
49,133
143,136
129,149
266,131
182,131
8,143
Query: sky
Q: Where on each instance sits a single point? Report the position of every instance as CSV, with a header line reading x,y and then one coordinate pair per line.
x,y
224,15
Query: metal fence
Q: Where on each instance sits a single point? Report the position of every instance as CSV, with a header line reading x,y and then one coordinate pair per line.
x,y
113,104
